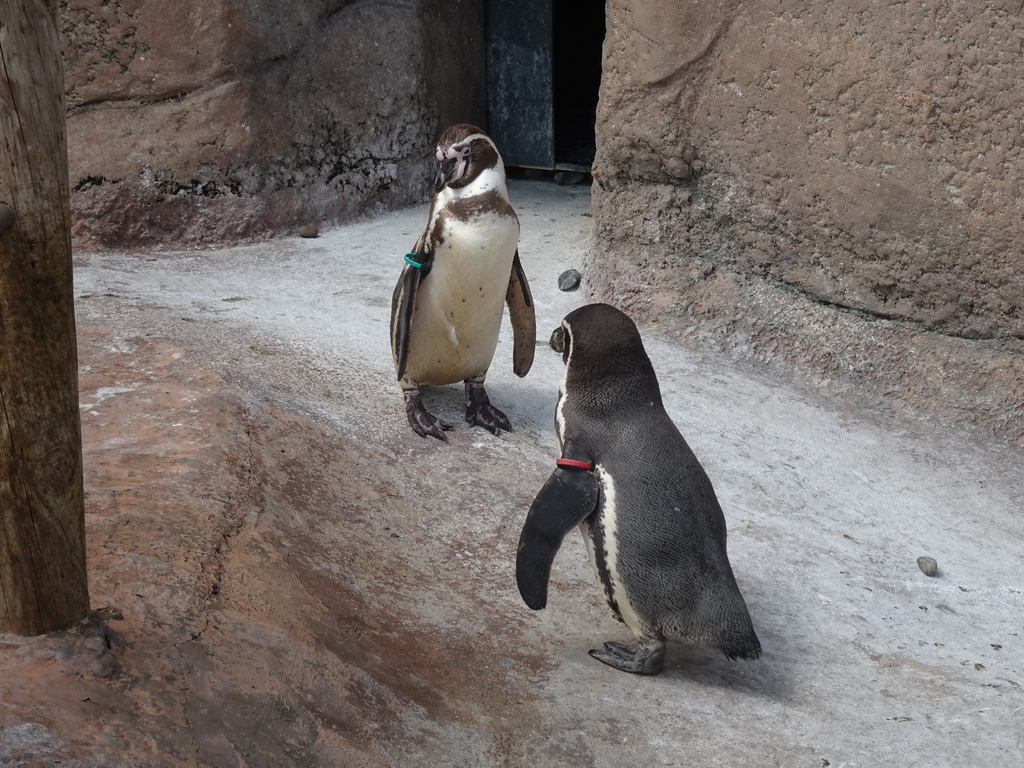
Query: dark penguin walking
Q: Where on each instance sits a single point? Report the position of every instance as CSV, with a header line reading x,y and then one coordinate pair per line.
x,y
446,309
646,508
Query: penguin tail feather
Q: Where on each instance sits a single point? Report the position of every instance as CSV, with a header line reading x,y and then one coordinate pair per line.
x,y
748,649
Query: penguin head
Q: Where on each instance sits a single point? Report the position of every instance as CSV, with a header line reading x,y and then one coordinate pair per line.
x,y
463,152
601,345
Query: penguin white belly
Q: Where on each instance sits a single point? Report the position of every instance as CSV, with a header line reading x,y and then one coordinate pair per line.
x,y
615,589
457,316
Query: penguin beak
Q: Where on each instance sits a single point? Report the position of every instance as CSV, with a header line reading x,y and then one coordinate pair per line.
x,y
449,170
446,172
557,340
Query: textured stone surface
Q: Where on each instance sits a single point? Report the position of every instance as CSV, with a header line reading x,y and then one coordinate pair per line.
x,y
299,580
854,166
220,121
232,629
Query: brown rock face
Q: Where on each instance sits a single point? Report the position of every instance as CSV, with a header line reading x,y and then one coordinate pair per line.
x,y
221,121
856,167
221,630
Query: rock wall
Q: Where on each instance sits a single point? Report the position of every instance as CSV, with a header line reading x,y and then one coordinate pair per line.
x,y
202,122
837,185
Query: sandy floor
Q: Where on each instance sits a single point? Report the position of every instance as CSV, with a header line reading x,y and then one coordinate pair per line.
x,y
300,580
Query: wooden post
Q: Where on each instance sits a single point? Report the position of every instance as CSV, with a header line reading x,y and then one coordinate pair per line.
x,y
42,516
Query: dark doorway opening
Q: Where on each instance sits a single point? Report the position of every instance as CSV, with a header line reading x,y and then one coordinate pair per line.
x,y
543,78
578,31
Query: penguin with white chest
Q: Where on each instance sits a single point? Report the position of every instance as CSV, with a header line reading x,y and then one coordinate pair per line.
x,y
648,513
446,309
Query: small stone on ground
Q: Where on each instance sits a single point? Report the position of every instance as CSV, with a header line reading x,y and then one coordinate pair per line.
x,y
569,280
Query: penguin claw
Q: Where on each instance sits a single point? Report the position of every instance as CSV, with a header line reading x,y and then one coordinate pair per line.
x,y
488,417
618,649
435,427
423,423
647,659
480,412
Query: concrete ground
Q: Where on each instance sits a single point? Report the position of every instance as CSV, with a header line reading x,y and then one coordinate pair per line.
x,y
298,579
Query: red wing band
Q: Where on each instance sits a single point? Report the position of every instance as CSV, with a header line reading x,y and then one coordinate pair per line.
x,y
573,463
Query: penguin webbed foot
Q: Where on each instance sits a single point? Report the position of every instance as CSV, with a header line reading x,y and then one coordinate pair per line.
x,y
647,659
421,420
480,412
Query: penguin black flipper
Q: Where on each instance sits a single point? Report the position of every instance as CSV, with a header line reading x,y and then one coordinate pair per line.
x,y
567,498
524,320
403,301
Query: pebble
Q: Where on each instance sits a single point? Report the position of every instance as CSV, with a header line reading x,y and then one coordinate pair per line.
x,y
928,566
308,231
569,280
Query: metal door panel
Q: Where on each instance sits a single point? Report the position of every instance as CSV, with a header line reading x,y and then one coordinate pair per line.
x,y
519,81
